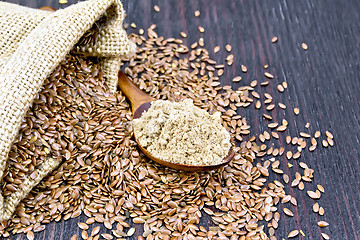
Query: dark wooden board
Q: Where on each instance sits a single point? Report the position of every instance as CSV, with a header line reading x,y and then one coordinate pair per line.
x,y
324,83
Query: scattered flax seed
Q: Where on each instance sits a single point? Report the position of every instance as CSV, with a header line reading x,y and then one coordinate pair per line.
x,y
209,211
303,165
130,232
321,211
268,75
274,39
182,34
84,235
321,189
269,99
323,224
288,212
95,231
197,13
312,148
253,83
293,233
141,31
201,29
317,134
258,106
216,49
329,134
74,237
243,68
296,111
220,72
286,178
63,1
201,42
286,199
284,84
304,46
290,165
272,125
194,45
306,179
30,235
330,141
156,8
267,116
107,224
307,125
301,186
282,106
267,95
295,182
83,226
281,128
280,88
133,25
270,107
296,155
278,171
107,236
255,95
228,48
316,207
325,143
230,57
237,79
138,220
90,220
325,236
266,66
305,135
302,233
276,135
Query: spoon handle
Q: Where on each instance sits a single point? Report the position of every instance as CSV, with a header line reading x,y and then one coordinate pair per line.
x,y
132,92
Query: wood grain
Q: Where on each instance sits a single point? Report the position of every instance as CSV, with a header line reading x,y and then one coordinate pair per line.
x,y
324,84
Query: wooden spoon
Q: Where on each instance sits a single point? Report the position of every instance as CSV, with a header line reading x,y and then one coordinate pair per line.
x,y
48,8
141,102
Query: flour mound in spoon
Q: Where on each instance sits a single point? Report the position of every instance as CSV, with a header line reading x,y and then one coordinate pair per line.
x,y
182,133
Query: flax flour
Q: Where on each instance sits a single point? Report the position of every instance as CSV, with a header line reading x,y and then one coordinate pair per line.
x,y
182,133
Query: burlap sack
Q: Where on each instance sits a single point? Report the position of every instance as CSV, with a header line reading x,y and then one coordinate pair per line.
x,y
32,44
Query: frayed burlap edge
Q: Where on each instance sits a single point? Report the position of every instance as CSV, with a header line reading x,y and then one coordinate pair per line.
x,y
14,199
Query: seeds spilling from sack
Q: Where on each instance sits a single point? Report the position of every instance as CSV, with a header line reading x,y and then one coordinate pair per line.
x,y
105,177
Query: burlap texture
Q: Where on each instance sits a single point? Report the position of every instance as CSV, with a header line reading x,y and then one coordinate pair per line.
x,y
32,44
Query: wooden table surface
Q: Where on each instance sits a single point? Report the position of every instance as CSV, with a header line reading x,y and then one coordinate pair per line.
x,y
324,83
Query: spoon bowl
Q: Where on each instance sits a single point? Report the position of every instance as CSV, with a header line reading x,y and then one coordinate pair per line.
x,y
141,102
